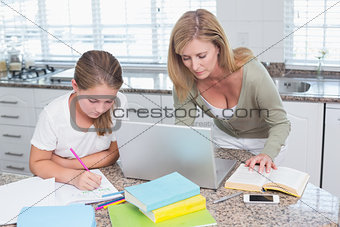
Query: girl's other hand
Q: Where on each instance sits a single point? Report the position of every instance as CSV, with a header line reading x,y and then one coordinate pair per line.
x,y
86,180
264,160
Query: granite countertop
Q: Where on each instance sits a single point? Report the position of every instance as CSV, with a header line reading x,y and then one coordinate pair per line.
x,y
316,207
321,90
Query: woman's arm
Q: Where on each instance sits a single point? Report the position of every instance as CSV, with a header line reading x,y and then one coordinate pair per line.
x,y
92,161
42,165
269,99
276,118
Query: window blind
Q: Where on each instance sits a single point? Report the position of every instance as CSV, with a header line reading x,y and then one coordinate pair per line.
x,y
312,28
133,31
16,28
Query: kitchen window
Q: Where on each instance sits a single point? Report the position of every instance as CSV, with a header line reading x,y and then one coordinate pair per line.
x,y
315,30
135,31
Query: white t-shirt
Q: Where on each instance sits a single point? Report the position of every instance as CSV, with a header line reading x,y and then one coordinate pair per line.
x,y
54,132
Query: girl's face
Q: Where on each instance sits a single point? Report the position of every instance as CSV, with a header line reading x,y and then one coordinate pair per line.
x,y
97,100
200,57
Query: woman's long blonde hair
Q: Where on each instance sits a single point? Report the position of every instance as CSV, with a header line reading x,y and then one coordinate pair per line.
x,y
94,68
203,25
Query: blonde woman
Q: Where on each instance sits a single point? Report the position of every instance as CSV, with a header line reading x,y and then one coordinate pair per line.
x,y
231,86
81,120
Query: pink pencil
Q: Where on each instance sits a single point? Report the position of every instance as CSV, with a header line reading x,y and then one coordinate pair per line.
x,y
74,153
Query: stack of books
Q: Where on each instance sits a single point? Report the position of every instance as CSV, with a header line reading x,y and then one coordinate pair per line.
x,y
172,200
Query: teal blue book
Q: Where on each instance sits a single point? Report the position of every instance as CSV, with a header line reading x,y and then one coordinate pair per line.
x,y
129,215
76,215
160,192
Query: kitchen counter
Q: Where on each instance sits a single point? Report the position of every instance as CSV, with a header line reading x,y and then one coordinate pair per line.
x,y
316,207
321,90
134,82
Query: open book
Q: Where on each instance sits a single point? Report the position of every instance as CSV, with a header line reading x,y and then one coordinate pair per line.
x,y
284,179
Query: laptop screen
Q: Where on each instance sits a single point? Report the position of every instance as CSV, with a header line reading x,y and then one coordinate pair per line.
x,y
148,151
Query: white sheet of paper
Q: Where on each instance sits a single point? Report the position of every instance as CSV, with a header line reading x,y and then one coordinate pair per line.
x,y
67,194
32,191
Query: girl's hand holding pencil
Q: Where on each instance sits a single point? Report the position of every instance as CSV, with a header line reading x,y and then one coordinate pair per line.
x,y
85,180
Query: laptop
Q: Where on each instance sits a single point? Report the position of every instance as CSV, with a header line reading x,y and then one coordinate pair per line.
x,y
149,151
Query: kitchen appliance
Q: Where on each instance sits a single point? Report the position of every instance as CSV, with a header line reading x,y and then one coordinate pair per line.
x,y
30,73
64,76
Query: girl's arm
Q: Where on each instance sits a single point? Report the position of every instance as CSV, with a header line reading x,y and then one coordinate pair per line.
x,y
42,165
92,161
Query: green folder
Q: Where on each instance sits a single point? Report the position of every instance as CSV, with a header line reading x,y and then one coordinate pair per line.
x,y
129,215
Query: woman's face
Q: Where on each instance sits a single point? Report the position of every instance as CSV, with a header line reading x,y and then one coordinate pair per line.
x,y
97,100
200,57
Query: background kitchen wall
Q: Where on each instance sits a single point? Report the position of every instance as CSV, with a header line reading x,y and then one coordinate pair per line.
x,y
257,24
301,33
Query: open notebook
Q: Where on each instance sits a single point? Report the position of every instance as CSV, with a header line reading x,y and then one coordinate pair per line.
x,y
67,194
35,191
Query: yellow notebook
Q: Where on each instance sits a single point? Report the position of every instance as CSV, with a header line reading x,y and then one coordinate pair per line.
x,y
179,208
284,179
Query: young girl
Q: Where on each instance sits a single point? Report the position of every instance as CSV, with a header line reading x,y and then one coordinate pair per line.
x,y
81,120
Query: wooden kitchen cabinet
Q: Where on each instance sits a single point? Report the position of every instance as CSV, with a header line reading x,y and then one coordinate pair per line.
x,y
15,148
19,112
331,167
16,97
17,120
304,143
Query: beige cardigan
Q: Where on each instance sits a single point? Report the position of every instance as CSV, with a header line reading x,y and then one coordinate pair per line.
x,y
259,112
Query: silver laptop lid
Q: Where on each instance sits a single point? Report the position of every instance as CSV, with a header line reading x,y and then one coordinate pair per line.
x,y
148,151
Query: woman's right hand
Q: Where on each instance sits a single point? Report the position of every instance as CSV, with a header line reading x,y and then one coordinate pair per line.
x,y
86,180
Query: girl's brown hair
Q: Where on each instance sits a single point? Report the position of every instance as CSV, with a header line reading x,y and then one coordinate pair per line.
x,y
203,25
95,68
